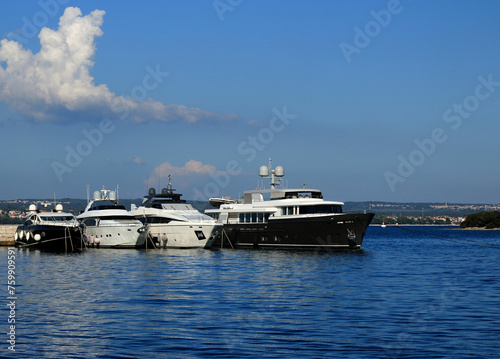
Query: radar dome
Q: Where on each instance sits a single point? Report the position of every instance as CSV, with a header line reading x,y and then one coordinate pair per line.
x,y
32,208
263,171
112,196
97,195
279,171
164,191
152,191
59,208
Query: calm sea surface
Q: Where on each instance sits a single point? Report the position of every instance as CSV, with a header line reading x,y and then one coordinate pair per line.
x,y
424,293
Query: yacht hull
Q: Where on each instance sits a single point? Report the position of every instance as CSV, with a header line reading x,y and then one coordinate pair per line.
x,y
50,238
183,235
333,231
116,236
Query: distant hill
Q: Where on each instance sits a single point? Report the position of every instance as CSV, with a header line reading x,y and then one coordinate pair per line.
x,y
416,209
485,219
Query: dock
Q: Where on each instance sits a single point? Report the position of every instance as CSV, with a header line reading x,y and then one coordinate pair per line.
x,y
7,232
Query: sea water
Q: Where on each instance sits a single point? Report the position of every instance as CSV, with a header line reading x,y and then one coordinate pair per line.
x,y
412,292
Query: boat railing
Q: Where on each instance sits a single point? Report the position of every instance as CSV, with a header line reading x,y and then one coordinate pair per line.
x,y
115,223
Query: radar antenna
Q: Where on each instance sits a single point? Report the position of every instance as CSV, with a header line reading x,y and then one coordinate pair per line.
x,y
275,173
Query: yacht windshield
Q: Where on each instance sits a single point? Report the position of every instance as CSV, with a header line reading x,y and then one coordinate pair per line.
x,y
56,218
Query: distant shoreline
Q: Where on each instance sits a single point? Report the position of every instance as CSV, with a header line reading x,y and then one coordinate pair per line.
x,y
456,227
479,229
416,225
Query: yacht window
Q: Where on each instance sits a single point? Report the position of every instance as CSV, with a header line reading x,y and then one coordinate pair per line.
x,y
324,208
254,217
91,222
261,217
290,210
242,217
117,218
247,217
155,220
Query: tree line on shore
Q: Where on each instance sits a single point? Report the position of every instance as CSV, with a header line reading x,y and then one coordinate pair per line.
x,y
410,220
484,219
9,220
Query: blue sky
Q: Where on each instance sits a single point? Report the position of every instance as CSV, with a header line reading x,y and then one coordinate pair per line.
x,y
366,100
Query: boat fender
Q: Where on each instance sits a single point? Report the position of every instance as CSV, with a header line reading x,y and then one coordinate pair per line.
x,y
16,236
37,237
97,241
27,235
21,234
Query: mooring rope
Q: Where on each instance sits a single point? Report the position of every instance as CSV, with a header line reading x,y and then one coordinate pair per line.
x,y
45,241
66,237
470,242
224,233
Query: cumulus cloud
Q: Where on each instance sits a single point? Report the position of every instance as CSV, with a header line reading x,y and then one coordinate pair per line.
x,y
255,123
138,160
55,84
191,167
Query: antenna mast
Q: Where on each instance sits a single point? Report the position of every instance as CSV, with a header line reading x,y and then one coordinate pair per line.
x,y
276,174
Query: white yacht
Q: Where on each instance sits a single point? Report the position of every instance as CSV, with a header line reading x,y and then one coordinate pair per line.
x,y
53,230
108,224
174,223
282,217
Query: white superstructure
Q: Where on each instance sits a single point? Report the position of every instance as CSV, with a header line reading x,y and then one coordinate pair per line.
x,y
108,224
174,223
283,217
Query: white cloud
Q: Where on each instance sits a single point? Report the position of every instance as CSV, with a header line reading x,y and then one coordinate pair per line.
x,y
138,160
191,167
255,123
55,84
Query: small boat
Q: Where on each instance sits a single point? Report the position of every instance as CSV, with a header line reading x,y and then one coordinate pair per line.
x,y
108,224
383,223
174,223
52,230
282,217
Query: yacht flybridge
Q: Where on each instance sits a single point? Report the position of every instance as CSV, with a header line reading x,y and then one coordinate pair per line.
x,y
172,222
282,217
